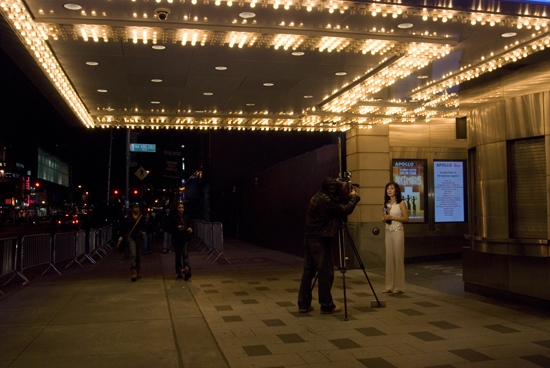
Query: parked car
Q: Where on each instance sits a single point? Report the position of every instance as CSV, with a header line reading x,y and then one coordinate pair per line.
x,y
66,221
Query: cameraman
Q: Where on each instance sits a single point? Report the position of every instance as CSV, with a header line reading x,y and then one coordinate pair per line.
x,y
326,210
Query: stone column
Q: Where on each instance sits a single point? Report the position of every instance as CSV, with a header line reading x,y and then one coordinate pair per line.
x,y
368,159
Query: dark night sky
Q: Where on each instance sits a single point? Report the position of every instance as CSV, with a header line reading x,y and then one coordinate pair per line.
x,y
27,119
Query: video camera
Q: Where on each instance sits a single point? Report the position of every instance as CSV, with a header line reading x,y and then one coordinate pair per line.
x,y
341,187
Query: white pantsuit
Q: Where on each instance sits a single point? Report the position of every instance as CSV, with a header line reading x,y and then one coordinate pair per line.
x,y
395,252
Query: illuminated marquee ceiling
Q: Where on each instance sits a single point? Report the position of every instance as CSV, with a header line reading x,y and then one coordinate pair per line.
x,y
267,64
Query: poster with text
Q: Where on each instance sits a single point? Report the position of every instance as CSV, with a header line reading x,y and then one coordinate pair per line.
x,y
449,191
411,177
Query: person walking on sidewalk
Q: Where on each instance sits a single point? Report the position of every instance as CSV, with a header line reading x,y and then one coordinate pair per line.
x,y
181,232
166,230
133,230
325,213
150,227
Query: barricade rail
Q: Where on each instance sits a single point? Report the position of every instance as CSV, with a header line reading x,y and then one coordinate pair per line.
x,y
18,254
209,239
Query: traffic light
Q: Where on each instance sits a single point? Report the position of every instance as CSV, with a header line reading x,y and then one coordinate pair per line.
x,y
115,192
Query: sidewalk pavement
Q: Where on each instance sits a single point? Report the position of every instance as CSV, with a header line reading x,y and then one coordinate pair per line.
x,y
245,314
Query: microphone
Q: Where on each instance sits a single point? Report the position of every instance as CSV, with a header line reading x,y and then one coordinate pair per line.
x,y
385,209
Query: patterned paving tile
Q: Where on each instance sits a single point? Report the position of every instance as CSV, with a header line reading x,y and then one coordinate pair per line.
x,y
427,304
256,350
253,282
232,318
411,312
227,281
540,360
342,300
206,285
365,309
211,292
370,331
262,288
272,279
345,344
293,291
362,294
471,355
501,329
250,301
376,363
240,293
426,336
273,322
444,325
545,343
222,308
290,338
286,304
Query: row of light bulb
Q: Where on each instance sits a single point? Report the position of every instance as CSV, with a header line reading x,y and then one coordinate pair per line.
x,y
486,64
34,38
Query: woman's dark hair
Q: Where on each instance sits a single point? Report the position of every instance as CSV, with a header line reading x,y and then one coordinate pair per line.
x,y
398,197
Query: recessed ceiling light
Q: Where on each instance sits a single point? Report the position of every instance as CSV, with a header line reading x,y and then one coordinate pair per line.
x,y
158,47
109,109
268,84
199,111
102,90
340,73
72,6
208,93
509,34
92,63
250,104
298,53
156,80
405,25
155,102
221,67
247,15
422,77
308,96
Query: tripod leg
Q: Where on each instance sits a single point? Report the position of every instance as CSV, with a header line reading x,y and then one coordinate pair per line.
x,y
314,281
343,266
358,257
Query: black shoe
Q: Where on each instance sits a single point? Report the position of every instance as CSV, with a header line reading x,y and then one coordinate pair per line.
x,y
305,310
187,273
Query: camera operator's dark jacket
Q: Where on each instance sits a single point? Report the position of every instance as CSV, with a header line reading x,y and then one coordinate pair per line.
x,y
325,212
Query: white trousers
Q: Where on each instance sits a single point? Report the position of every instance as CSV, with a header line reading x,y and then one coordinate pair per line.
x,y
395,260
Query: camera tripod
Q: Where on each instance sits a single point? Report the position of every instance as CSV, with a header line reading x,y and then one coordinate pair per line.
x,y
343,234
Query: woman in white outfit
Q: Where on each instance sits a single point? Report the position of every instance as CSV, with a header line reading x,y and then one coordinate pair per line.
x,y
395,214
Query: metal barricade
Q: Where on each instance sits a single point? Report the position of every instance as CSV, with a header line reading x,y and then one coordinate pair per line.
x,y
93,244
107,239
81,252
36,250
8,258
64,248
217,242
207,238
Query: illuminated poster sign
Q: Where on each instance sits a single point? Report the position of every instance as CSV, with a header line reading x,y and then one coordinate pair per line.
x,y
411,177
449,192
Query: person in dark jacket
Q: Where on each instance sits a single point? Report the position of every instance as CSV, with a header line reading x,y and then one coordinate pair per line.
x,y
324,216
133,230
150,227
181,232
